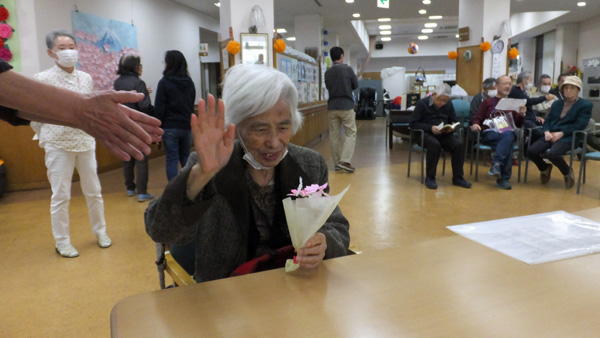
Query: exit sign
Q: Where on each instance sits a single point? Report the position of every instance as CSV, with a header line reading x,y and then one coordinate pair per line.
x,y
383,3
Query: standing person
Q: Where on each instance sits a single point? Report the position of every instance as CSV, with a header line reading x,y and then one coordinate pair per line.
x,y
129,71
340,81
68,148
174,102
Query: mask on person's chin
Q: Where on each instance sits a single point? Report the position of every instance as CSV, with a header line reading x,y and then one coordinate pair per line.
x,y
492,92
252,161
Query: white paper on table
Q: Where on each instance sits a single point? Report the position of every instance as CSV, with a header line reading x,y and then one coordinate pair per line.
x,y
305,216
510,104
536,238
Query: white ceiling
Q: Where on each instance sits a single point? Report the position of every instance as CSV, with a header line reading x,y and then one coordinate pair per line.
x,y
406,21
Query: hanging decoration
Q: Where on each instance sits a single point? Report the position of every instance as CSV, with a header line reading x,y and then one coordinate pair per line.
x,y
452,55
279,45
485,46
6,32
413,48
232,47
513,53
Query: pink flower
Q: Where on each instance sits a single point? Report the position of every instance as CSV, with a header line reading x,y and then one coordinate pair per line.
x,y
5,54
312,190
5,31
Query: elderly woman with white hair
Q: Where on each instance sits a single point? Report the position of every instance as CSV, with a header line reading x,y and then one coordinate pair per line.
x,y
228,197
429,113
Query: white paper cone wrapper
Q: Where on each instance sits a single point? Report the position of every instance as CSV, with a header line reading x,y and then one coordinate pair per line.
x,y
305,216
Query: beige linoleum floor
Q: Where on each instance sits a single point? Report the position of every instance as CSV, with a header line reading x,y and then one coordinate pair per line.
x,y
44,295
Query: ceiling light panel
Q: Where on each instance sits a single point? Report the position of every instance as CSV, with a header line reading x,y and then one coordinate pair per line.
x,y
422,11
384,27
426,30
386,38
384,19
356,15
385,32
422,37
435,17
431,25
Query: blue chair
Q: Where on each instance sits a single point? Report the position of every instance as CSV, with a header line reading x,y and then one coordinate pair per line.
x,y
480,147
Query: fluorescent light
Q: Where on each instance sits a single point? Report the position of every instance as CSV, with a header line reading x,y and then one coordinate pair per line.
x,y
218,4
426,30
435,17
426,2
356,15
457,36
422,11
581,4
386,38
422,37
349,1
291,38
431,24
281,30
384,27
384,19
385,32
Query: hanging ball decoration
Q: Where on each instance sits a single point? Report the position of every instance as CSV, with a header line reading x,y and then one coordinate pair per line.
x,y
413,48
452,55
279,45
513,53
233,47
485,46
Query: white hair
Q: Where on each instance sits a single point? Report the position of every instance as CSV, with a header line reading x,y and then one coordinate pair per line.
x,y
250,90
443,89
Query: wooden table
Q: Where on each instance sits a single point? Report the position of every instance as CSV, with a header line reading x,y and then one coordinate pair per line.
x,y
449,287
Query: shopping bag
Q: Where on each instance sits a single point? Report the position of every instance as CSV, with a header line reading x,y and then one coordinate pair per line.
x,y
502,122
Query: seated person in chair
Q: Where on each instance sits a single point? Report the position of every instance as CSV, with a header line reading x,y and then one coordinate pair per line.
x,y
566,116
228,197
428,114
502,142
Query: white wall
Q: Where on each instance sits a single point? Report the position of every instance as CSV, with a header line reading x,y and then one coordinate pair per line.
x,y
432,47
161,25
412,63
527,54
589,31
548,52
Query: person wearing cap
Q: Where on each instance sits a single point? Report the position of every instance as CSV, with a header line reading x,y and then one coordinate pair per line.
x,y
566,116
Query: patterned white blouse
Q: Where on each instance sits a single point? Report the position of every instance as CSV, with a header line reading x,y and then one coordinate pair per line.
x,y
66,138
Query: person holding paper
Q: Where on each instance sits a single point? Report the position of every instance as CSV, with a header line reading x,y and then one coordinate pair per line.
x,y
565,117
430,115
521,91
228,197
503,142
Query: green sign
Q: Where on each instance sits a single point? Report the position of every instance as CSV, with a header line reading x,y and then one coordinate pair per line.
x,y
383,3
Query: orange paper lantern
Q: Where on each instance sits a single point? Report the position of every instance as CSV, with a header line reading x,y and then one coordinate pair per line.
x,y
452,55
485,46
233,47
513,53
279,45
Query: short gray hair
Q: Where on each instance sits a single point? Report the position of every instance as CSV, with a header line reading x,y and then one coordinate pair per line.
x,y
544,76
51,37
489,83
250,90
523,75
443,89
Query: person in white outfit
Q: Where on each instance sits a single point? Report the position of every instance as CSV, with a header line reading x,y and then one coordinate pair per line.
x,y
69,148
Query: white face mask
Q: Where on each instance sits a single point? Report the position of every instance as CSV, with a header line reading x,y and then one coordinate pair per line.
x,y
67,58
528,86
492,92
252,161
545,89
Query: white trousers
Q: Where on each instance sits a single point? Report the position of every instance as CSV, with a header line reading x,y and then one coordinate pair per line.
x,y
60,164
342,149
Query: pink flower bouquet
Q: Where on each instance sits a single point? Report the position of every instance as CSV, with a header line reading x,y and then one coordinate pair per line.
x,y
5,31
307,213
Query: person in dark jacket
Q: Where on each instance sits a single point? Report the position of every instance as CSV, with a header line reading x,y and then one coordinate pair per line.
x,y
565,117
175,96
129,71
521,91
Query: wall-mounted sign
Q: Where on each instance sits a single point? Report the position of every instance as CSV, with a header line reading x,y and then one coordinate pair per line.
x,y
203,49
463,34
383,3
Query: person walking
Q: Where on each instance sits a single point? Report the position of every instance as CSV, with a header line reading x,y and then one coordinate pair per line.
x,y
340,81
174,102
129,71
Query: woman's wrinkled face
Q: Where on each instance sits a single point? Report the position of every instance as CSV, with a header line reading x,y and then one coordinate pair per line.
x,y
267,135
570,92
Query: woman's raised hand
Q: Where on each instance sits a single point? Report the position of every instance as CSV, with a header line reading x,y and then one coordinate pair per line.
x,y
213,143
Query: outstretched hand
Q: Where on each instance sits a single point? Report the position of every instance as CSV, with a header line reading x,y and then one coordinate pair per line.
x,y
122,130
213,143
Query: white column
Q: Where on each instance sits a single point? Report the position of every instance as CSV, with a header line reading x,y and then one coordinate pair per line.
x,y
236,14
566,47
308,30
484,18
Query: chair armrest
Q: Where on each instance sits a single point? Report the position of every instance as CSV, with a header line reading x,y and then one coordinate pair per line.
x,y
420,131
175,271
